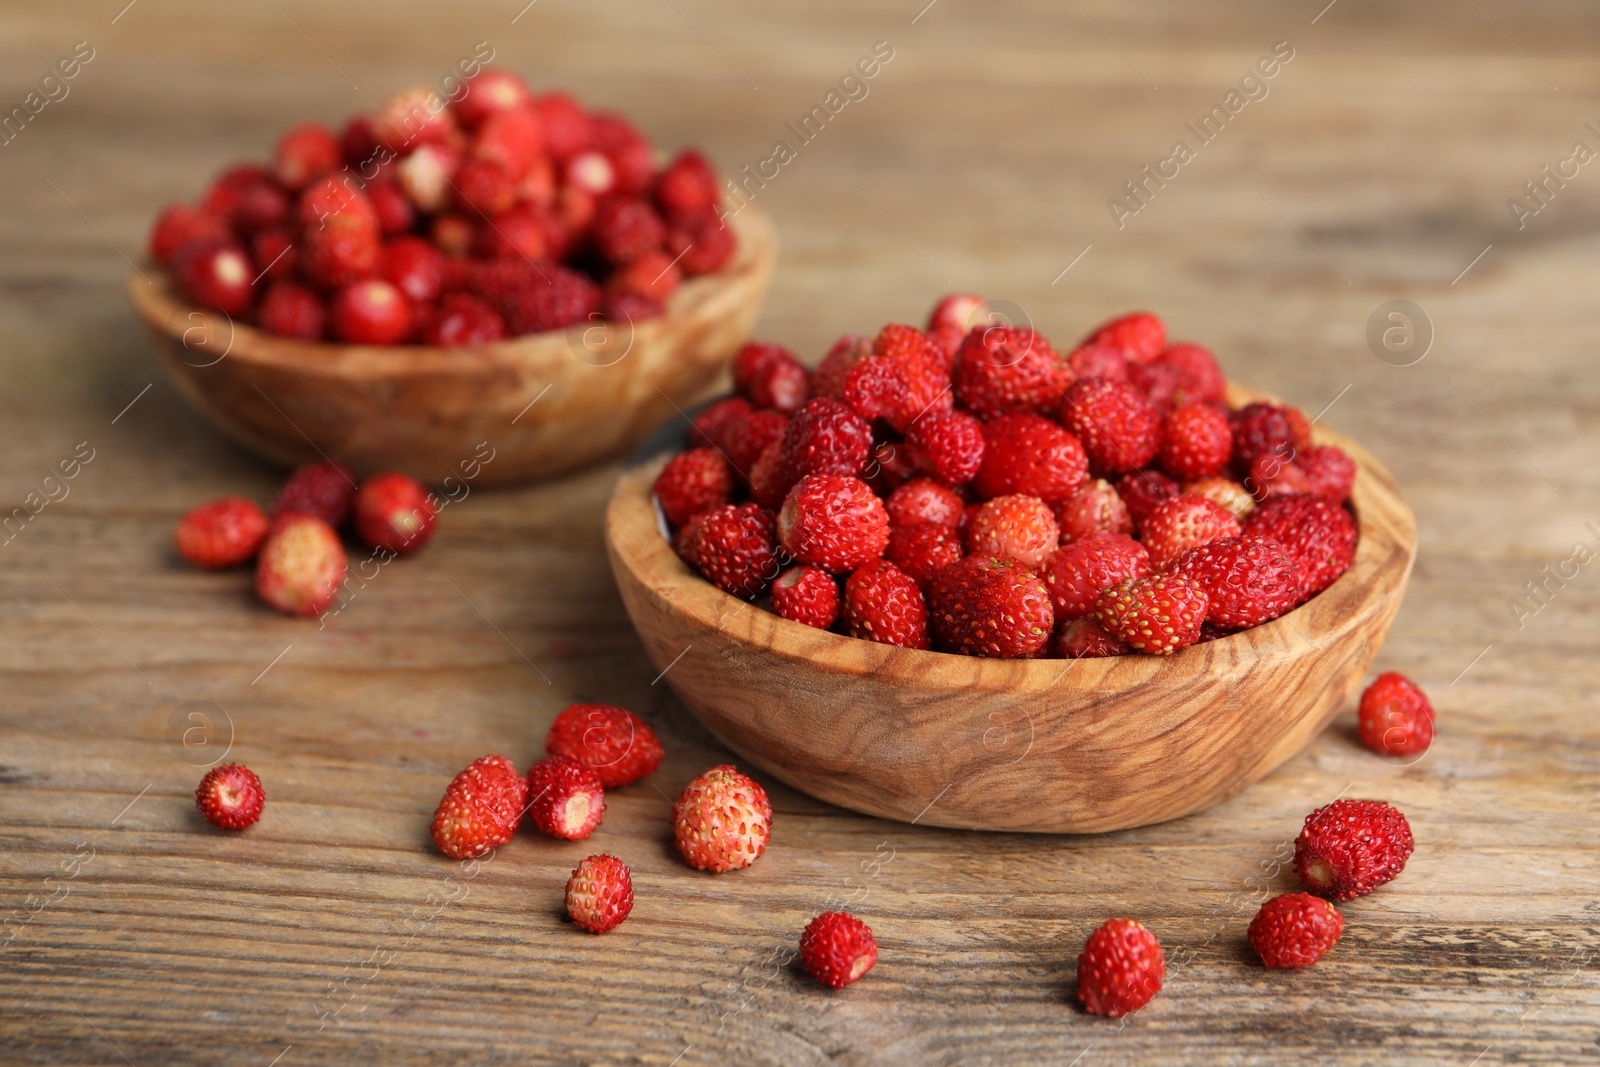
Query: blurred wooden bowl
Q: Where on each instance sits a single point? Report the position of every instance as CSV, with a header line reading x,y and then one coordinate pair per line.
x,y
1056,746
545,403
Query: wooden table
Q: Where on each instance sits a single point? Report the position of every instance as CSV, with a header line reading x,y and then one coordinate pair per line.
x,y
1377,168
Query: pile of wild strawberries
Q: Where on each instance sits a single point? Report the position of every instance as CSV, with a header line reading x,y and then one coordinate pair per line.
x,y
300,562
970,489
449,223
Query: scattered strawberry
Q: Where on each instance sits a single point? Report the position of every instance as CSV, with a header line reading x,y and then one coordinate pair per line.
x,y
833,521
691,482
923,551
922,501
230,797
325,489
1119,429
1247,580
1321,537
1396,717
1121,968
1085,638
599,893
990,606
1351,847
1018,526
301,565
1295,930
614,743
1158,615
837,948
1025,453
481,808
1182,523
394,512
564,798
1079,572
735,548
1196,442
807,594
722,820
883,604
223,533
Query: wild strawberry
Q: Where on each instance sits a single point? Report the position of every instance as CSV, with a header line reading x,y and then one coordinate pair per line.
x,y
946,445
1195,442
483,188
1142,491
922,501
691,482
1077,573
630,307
301,565
304,154
923,551
216,274
412,116
565,798
274,255
230,797
338,256
807,594
701,247
223,533
1182,523
1156,382
1121,969
372,312
1199,379
391,207
520,233
627,149
1330,472
1229,494
652,275
325,489
599,893
1157,615
1351,847
845,353
1085,638
722,820
337,202
591,172
922,370
1024,453
1141,336
1021,527
394,512
1094,507
990,606
957,311
1271,476
1319,536
1261,429
888,466
415,267
614,743
882,603
626,229
460,320
770,481
825,437
1247,580
833,521
1119,430
480,809
710,425
1004,369
291,310
179,225
1098,361
225,194
559,299
1295,930
734,547
687,188
837,948
489,92
771,377
1396,717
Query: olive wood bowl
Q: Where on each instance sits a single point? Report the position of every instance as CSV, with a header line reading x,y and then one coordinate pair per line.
x,y
1042,745
546,403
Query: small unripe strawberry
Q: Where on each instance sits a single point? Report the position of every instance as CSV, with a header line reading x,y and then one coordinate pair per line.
x,y
301,565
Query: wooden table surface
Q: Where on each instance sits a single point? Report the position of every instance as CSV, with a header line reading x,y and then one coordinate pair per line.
x,y
1378,167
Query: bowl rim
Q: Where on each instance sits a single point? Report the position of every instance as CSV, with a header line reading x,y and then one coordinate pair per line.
x,y
1387,535
154,297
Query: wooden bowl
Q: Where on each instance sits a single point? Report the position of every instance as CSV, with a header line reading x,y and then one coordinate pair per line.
x,y
1057,746
545,403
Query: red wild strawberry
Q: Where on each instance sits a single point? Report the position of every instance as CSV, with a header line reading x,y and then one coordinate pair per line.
x,y
1025,453
769,477
922,501
771,377
630,307
1295,930
825,437
1195,442
415,267
179,225
565,798
511,139
1321,537
391,207
558,299
1199,380
1182,523
883,604
957,311
481,808
1142,491
230,797
653,275
1021,527
1004,369
599,893
627,149
748,437
947,446
304,154
216,274
1270,475
722,820
1262,429
1396,717
372,312
1351,847
325,489
1224,492
489,92
1119,429
1158,615
1085,638
223,533
626,229
735,548
291,310
1156,382
1121,969
395,513
710,425
520,232
687,187
261,206
845,353
701,247
1247,580
990,606
1141,336
1079,572
462,320
409,117
923,551
833,521
338,256
807,594
1329,471
614,743
1094,507
837,948
301,565
1098,361
483,188
337,202
920,367
691,482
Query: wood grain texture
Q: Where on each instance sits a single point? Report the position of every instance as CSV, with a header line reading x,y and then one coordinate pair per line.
x,y
982,158
1045,746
